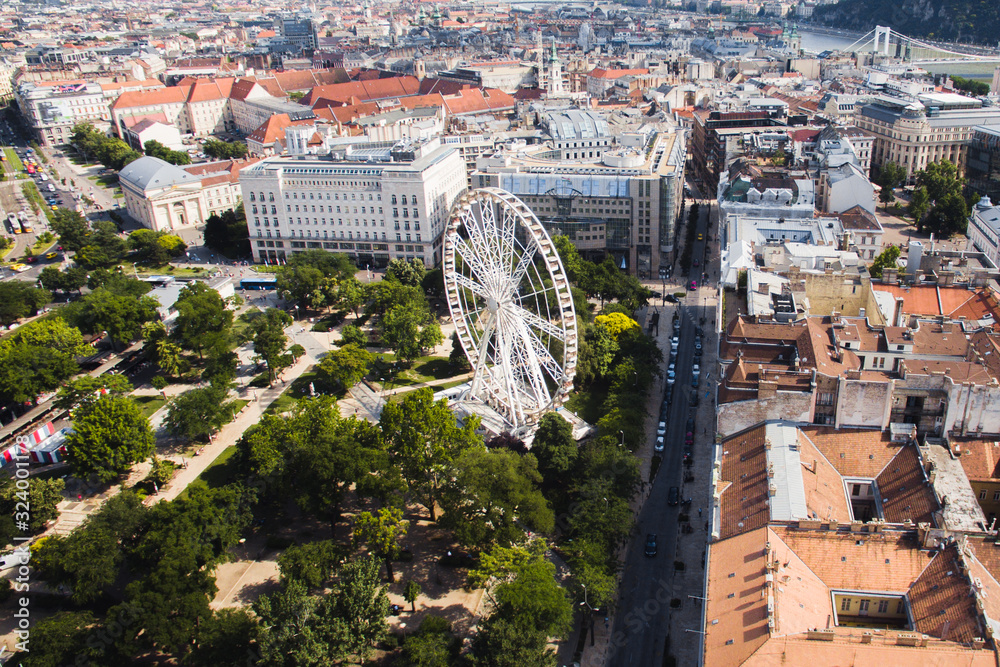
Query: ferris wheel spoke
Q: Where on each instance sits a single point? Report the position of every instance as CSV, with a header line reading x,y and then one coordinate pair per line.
x,y
482,272
542,354
506,367
471,285
537,322
523,262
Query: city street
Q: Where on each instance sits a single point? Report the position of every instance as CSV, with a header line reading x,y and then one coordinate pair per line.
x,y
642,619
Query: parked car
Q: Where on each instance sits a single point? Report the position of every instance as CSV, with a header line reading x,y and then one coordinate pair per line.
x,y
661,428
694,398
658,447
690,424
673,496
650,545
671,298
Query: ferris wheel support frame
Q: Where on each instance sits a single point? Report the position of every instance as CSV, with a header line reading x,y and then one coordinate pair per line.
x,y
492,243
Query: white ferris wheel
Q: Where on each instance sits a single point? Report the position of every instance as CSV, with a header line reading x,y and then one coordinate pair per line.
x,y
512,307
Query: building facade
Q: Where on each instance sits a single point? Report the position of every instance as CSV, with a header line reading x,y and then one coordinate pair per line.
x,y
913,134
374,202
52,108
984,229
982,166
624,205
165,197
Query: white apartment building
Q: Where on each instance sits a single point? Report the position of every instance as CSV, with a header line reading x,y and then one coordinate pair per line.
x,y
372,201
52,108
984,229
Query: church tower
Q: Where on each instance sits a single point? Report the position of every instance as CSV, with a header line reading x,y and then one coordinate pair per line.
x,y
555,72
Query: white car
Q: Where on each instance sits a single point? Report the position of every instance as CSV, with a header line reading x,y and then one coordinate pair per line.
x,y
696,369
661,430
658,447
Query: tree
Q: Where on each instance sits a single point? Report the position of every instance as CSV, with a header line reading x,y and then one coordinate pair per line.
x,y
948,216
535,599
382,532
411,591
345,367
503,643
226,639
312,564
886,259
457,356
19,299
423,439
227,234
554,447
86,389
42,498
115,311
615,323
269,339
108,436
38,357
154,148
890,176
223,150
406,273
203,320
72,228
352,335
51,278
155,248
492,495
197,413
88,559
300,283
300,630
920,203
408,330
169,357
940,178
350,295
62,639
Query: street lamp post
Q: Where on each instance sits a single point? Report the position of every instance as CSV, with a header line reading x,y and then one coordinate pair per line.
x,y
591,613
622,434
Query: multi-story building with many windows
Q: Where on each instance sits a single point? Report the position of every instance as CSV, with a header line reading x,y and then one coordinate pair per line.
x,y
371,201
915,133
623,204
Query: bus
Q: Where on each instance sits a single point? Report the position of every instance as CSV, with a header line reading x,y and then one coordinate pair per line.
x,y
261,282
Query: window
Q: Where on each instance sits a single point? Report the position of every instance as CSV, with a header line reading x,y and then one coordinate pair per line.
x,y
901,607
845,604
982,494
996,496
883,606
863,606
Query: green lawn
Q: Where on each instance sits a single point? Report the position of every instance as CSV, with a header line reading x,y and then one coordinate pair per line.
x,y
300,389
240,324
149,404
14,160
427,369
221,472
163,269
106,181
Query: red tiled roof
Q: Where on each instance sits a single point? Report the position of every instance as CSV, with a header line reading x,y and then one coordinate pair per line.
x,y
602,73
904,491
379,89
744,500
148,98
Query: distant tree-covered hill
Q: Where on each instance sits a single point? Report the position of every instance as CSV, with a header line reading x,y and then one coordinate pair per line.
x,y
969,21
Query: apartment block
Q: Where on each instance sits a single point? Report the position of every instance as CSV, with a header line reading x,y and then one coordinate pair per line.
x,y
371,201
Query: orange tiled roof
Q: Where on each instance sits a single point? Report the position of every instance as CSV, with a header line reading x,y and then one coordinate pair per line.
x,y
917,300
378,89
903,489
853,452
744,501
148,98
602,73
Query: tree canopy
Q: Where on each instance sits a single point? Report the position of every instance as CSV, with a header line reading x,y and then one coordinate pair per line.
x,y
38,357
19,299
108,436
940,187
154,148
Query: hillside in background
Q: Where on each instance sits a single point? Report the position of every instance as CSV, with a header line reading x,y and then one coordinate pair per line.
x,y
969,21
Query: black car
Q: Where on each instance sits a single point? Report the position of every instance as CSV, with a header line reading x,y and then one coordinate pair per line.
x,y
690,424
650,545
673,496
671,298
669,395
694,398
